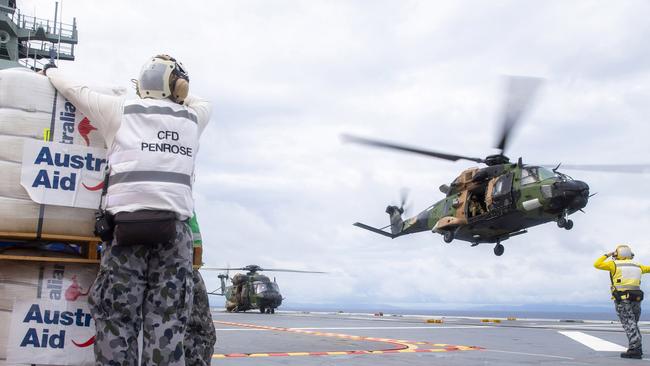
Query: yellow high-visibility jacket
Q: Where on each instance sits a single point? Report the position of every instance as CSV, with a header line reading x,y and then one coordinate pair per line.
x,y
624,274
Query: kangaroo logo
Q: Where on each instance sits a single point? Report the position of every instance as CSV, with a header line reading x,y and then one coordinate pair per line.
x,y
74,291
85,128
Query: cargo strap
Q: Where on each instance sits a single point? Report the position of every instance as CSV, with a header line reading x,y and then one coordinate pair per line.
x,y
49,138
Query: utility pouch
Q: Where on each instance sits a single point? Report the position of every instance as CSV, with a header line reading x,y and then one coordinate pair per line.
x,y
635,295
145,227
103,220
631,295
104,225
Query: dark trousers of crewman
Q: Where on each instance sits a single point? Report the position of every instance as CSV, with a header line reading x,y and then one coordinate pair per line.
x,y
629,313
146,287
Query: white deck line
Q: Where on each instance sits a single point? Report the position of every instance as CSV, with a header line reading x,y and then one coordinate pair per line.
x,y
595,343
528,354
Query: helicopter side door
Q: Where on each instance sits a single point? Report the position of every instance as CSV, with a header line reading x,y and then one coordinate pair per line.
x,y
500,192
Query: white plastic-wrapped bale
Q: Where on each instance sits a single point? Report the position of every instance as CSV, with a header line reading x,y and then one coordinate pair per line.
x,y
30,109
48,287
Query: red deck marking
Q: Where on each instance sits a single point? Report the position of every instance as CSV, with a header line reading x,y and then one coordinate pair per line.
x,y
399,346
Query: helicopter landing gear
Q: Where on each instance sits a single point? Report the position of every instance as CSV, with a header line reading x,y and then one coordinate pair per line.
x,y
262,310
564,223
499,249
271,311
448,236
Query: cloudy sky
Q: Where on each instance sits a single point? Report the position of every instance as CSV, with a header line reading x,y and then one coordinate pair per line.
x,y
276,187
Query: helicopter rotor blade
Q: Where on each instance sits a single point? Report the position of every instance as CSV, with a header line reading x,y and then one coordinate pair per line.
x,y
520,93
259,269
222,269
614,168
289,270
415,150
403,196
403,200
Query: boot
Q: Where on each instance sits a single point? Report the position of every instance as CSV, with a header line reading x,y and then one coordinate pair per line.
x,y
632,353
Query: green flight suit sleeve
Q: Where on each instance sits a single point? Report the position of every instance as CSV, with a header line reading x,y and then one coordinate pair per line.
x,y
196,232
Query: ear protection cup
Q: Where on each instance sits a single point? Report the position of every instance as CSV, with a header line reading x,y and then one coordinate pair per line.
x,y
180,90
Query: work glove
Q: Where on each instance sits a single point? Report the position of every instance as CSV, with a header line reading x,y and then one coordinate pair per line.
x,y
48,66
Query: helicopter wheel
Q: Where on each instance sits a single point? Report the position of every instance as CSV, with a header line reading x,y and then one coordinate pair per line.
x,y
499,249
272,311
448,236
568,225
268,311
262,310
562,222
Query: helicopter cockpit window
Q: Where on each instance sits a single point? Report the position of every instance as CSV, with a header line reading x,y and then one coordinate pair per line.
x,y
544,173
535,174
527,177
260,287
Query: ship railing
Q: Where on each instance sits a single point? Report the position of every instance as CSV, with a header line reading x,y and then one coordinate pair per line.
x,y
49,26
34,54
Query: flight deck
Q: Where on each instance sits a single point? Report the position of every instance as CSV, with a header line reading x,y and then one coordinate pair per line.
x,y
309,338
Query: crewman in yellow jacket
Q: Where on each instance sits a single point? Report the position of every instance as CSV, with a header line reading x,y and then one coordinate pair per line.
x,y
625,277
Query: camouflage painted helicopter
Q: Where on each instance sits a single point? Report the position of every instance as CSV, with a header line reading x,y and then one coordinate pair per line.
x,y
502,199
251,290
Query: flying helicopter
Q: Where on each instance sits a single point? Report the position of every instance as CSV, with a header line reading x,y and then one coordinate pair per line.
x,y
500,200
251,290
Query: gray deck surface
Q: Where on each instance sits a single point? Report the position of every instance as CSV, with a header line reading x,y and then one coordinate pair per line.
x,y
258,339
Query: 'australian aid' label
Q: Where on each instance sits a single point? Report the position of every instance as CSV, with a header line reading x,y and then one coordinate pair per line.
x,y
52,324
51,332
63,174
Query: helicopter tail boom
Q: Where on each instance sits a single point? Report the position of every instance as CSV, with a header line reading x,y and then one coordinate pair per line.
x,y
375,230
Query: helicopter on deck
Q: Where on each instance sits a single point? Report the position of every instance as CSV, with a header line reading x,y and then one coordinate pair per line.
x,y
251,290
493,203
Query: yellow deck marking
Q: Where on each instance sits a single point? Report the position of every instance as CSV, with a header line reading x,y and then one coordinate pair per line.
x,y
399,346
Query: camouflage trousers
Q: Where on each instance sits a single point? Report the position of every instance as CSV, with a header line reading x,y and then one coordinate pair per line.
x,y
629,313
200,335
143,287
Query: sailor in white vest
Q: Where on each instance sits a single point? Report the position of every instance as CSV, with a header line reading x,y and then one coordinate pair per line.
x,y
145,280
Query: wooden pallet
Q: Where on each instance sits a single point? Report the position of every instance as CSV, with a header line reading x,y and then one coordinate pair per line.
x,y
88,245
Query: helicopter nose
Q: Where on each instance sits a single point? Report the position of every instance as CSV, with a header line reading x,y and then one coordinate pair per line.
x,y
573,193
269,295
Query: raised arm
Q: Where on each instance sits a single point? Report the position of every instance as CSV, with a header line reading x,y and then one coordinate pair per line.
x,y
103,110
601,263
202,109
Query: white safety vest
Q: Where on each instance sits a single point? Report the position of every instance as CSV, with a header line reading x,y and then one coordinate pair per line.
x,y
152,158
627,275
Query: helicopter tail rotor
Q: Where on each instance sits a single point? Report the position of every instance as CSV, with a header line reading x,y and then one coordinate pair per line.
x,y
396,221
395,212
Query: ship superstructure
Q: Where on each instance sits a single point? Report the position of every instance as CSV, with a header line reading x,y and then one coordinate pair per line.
x,y
25,40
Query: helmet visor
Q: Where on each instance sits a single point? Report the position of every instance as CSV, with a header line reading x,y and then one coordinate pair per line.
x,y
153,77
